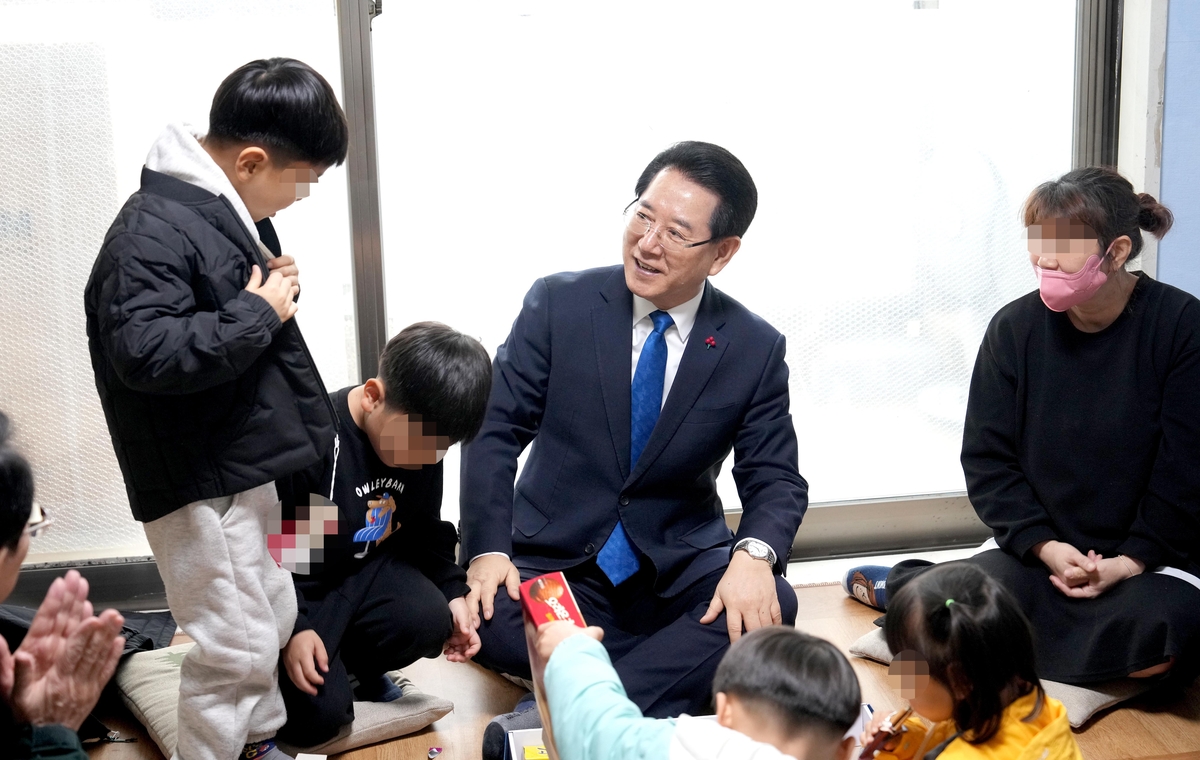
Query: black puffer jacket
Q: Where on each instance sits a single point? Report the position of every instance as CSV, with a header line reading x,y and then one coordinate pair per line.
x,y
205,391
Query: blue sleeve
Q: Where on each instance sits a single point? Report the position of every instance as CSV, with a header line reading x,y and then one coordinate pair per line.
x,y
591,716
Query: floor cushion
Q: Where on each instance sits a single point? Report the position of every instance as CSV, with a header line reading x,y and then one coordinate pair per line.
x,y
149,686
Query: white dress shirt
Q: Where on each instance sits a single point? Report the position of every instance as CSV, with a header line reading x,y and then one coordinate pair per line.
x,y
676,336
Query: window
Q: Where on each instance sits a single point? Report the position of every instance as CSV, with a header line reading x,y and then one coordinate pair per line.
x,y
86,87
892,147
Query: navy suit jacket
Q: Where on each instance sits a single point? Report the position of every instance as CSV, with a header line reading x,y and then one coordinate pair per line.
x,y
562,381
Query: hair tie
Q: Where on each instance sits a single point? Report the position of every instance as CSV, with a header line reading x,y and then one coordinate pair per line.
x,y
949,602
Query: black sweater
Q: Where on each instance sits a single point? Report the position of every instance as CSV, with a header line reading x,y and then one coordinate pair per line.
x,y
1090,438
421,537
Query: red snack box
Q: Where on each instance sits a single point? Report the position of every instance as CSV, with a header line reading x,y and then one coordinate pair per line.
x,y
546,599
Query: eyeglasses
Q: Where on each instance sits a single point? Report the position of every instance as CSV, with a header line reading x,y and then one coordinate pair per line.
x,y
39,520
671,239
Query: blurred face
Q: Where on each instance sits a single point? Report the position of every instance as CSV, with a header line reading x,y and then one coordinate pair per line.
x,y
272,189
404,440
10,566
400,439
266,187
662,264
909,676
1059,244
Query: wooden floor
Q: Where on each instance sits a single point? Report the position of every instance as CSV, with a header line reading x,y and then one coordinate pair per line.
x,y
1139,730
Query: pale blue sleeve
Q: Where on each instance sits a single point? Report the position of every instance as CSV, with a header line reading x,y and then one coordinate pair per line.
x,y
591,716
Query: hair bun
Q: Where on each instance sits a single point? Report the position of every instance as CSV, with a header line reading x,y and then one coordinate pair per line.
x,y
1153,217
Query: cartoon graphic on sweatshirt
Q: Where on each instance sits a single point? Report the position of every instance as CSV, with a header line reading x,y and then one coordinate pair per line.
x,y
379,523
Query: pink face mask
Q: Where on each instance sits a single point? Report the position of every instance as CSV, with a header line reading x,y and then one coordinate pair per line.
x,y
1060,291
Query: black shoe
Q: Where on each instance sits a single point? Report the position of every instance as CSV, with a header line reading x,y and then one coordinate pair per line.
x,y
495,736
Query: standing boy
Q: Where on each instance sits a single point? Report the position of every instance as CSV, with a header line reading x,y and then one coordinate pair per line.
x,y
208,388
383,589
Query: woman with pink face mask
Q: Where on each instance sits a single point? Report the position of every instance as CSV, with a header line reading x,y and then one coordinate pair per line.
x,y
1081,447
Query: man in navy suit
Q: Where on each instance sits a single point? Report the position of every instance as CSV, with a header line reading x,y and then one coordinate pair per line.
x,y
633,383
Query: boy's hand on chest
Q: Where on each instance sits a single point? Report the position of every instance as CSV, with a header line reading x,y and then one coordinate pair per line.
x,y
286,266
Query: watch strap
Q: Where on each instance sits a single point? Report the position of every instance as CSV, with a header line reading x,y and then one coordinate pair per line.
x,y
771,556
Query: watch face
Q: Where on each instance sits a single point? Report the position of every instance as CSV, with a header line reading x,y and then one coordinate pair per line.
x,y
756,550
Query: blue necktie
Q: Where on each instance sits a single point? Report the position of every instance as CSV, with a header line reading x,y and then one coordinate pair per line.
x,y
617,558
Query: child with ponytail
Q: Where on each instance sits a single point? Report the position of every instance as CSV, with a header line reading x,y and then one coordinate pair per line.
x,y
965,662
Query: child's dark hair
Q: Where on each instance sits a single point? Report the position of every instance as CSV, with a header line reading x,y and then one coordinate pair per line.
x,y
431,370
16,491
975,638
1103,200
805,681
286,107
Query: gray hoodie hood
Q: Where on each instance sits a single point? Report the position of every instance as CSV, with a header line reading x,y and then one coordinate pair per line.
x,y
177,153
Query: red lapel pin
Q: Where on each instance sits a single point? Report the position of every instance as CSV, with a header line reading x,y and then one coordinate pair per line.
x,y
710,342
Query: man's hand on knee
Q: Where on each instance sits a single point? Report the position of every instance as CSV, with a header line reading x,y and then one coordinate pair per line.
x,y
302,657
485,576
747,595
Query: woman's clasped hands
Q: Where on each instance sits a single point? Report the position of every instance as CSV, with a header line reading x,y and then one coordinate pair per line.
x,y
1084,576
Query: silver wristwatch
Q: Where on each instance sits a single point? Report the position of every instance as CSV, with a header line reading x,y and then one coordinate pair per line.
x,y
756,549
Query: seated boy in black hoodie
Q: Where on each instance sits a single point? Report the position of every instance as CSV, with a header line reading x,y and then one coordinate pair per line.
x,y
373,562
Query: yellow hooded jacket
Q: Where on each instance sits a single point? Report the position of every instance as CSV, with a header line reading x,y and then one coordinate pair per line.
x,y
1046,737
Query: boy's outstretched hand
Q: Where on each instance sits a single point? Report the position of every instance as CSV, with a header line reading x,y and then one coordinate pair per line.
x,y
550,635
463,643
278,291
305,659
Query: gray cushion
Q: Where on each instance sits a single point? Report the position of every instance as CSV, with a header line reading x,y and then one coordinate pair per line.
x,y
149,686
1082,702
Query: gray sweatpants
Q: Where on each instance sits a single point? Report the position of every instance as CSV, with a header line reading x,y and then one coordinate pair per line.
x,y
228,594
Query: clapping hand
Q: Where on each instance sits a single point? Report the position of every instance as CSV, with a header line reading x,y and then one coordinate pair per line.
x,y
67,657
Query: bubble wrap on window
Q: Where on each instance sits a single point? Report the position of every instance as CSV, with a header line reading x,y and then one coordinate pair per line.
x,y
56,201
86,87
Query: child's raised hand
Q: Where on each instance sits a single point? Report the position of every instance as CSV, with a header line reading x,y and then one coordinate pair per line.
x,y
278,291
550,635
872,728
463,643
302,657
